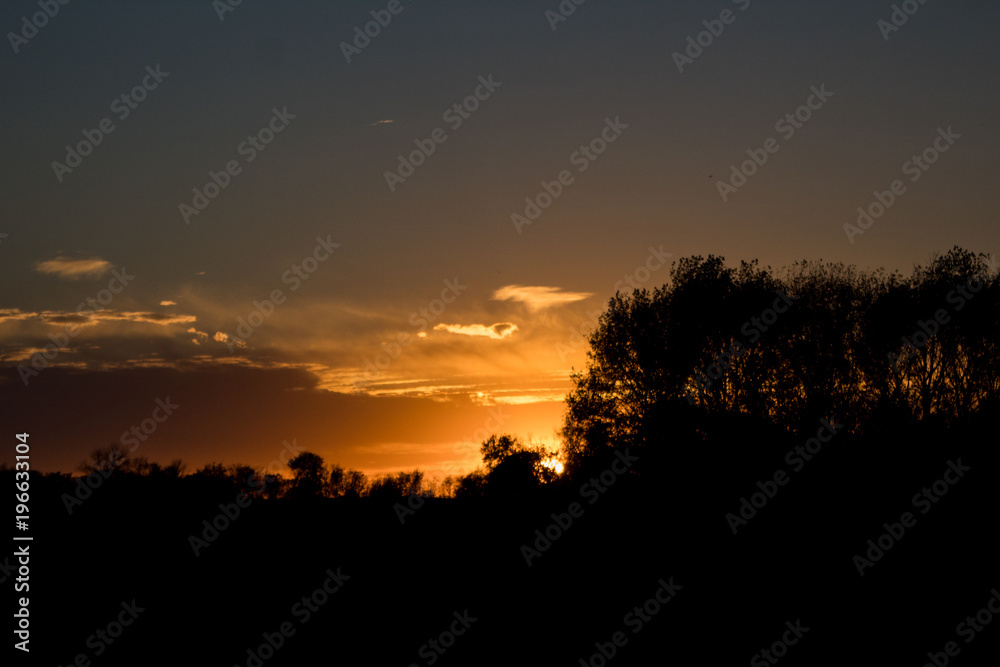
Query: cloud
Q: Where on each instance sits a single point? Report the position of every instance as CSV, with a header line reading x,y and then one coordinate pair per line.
x,y
495,331
381,122
15,314
95,316
223,337
537,298
74,269
198,335
168,303
53,317
149,318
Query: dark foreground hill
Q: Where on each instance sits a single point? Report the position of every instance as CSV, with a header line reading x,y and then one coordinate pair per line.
x,y
652,561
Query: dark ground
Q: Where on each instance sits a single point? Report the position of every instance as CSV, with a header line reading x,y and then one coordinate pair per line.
x,y
792,563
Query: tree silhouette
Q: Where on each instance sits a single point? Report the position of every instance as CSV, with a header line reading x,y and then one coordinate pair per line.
x,y
511,468
309,475
355,484
111,458
472,485
335,482
399,485
816,340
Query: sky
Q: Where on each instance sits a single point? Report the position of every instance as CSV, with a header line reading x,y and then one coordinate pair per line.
x,y
384,247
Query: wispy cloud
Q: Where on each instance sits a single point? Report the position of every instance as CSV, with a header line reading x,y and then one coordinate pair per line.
x,y
15,314
93,317
149,318
538,297
495,331
381,122
168,303
74,269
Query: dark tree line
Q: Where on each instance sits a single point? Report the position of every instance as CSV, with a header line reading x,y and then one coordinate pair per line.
x,y
510,468
814,340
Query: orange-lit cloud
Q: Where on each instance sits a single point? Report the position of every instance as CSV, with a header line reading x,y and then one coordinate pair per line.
x,y
496,331
151,318
15,314
199,335
91,317
165,302
539,297
74,269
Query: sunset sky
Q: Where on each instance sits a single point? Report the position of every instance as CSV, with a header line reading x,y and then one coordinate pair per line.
x,y
470,317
